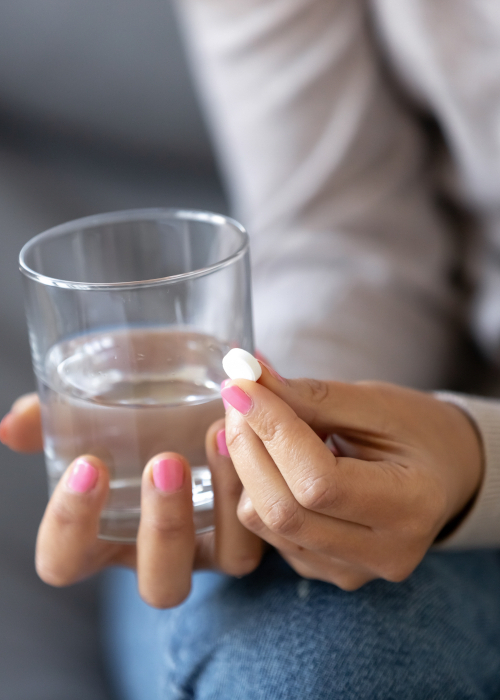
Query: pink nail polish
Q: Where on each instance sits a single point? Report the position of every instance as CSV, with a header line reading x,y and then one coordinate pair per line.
x,y
221,443
237,398
168,475
83,476
223,384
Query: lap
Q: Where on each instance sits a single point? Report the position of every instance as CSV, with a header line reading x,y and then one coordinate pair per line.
x,y
276,635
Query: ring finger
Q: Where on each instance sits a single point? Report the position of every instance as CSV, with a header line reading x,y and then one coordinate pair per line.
x,y
236,550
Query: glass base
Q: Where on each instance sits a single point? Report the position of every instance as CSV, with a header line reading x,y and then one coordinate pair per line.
x,y
122,524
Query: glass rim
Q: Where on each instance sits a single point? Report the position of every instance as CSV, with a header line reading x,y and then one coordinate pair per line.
x,y
130,215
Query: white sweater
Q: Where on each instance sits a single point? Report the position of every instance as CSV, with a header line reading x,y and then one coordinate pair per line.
x,y
316,108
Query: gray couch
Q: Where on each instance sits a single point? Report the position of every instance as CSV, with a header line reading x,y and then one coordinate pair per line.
x,y
97,113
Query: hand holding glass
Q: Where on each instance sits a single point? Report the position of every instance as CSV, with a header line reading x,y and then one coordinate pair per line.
x,y
130,315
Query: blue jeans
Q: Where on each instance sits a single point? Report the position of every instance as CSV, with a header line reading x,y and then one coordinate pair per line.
x,y
273,635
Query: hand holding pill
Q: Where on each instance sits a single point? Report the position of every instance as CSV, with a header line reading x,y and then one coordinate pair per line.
x,y
410,464
240,364
373,512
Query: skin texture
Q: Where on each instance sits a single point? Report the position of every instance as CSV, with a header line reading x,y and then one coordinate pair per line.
x,y
404,465
67,547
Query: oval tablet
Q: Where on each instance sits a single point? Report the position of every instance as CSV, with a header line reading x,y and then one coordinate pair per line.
x,y
240,364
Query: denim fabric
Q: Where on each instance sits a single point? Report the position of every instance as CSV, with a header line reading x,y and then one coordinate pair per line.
x,y
276,636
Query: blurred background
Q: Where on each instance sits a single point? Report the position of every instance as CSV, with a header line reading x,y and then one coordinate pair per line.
x,y
97,113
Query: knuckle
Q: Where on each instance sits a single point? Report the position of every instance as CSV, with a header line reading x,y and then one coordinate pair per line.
x,y
165,526
249,518
63,514
345,580
228,489
317,493
283,517
398,571
271,430
319,391
235,438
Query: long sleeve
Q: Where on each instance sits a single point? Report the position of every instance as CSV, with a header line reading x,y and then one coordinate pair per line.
x,y
327,169
329,172
481,527
446,55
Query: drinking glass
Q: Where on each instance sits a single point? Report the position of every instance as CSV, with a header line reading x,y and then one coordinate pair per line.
x,y
129,315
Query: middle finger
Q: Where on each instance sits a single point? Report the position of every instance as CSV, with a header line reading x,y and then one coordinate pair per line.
x,y
279,510
166,538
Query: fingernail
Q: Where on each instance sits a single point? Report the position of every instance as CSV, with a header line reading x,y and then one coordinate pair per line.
x,y
83,476
273,372
237,398
3,428
223,384
168,475
221,443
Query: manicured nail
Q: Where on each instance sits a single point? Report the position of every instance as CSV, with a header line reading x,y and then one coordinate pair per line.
x,y
223,384
3,428
237,398
168,475
83,476
221,443
273,372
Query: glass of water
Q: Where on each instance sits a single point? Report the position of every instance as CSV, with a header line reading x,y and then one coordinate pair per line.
x,y
129,317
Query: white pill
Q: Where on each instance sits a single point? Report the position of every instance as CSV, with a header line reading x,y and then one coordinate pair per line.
x,y
240,364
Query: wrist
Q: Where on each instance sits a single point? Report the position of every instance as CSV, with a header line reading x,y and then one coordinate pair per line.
x,y
468,461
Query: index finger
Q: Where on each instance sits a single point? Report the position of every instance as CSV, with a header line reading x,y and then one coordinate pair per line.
x,y
362,492
67,547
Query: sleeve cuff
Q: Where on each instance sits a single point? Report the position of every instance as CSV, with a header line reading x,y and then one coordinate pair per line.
x,y
481,526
